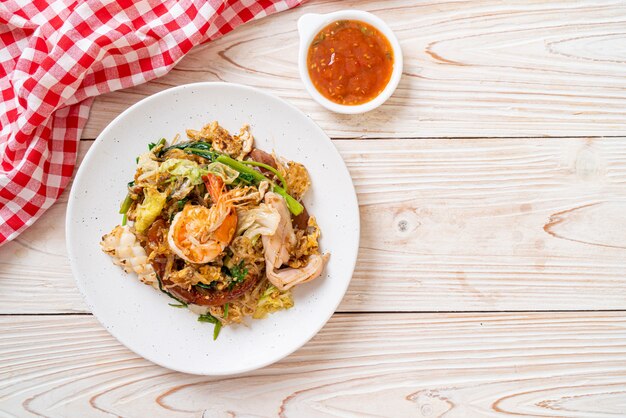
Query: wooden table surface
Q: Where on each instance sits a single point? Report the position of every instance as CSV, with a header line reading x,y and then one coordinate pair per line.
x,y
491,278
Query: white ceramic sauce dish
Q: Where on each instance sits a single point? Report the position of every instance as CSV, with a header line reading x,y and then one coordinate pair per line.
x,y
309,25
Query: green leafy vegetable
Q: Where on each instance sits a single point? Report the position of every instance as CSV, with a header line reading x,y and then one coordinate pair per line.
x,y
228,174
177,305
152,145
272,300
269,168
294,206
238,273
204,149
207,317
226,309
216,330
184,168
204,286
149,209
242,168
245,177
126,203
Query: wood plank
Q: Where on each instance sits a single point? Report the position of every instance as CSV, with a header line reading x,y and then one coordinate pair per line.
x,y
463,225
417,365
472,68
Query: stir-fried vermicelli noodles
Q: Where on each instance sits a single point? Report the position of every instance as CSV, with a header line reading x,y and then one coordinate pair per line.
x,y
218,225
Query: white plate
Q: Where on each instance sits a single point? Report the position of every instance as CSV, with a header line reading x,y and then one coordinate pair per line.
x,y
138,315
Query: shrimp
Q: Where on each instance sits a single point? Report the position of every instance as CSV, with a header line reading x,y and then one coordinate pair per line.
x,y
199,234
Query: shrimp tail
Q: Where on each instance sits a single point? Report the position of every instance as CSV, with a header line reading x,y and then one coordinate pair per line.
x,y
214,185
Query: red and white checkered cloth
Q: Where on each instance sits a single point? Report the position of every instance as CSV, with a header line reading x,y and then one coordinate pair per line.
x,y
55,56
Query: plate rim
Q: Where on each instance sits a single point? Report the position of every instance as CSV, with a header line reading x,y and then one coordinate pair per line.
x,y
74,264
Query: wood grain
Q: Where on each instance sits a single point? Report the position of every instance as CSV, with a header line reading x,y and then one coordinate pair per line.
x,y
472,68
494,219
400,365
464,225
